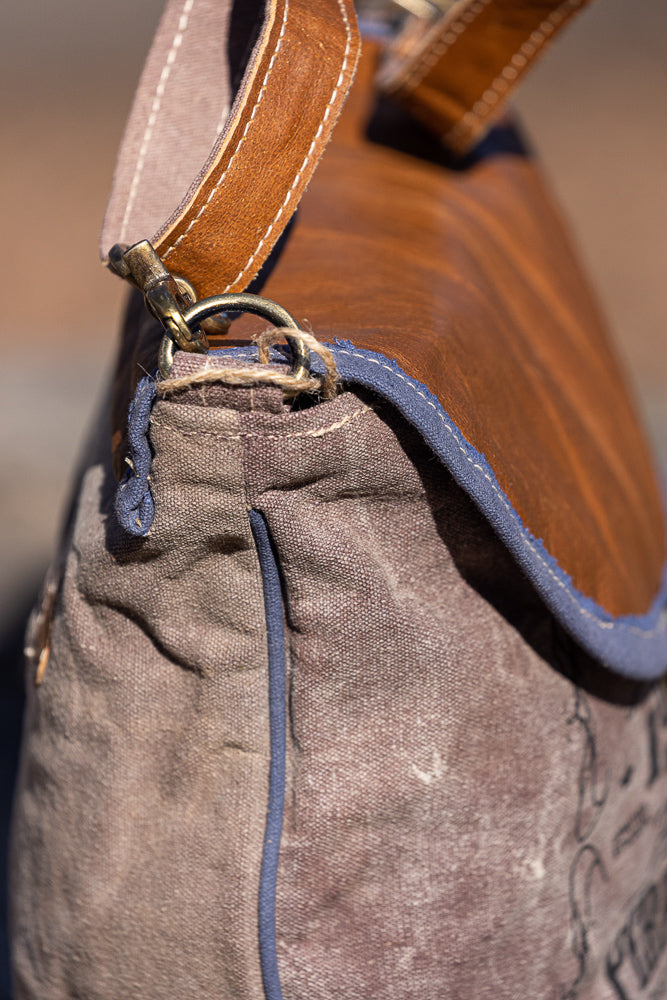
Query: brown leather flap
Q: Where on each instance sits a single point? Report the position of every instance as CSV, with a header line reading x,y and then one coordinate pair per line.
x,y
470,282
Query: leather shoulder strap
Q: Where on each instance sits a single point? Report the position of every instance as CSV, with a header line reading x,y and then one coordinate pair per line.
x,y
215,225
456,74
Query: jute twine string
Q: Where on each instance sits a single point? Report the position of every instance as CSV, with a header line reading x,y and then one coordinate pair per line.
x,y
324,386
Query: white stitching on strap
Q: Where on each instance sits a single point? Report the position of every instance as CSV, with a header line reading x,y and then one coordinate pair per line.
x,y
155,110
642,633
429,56
519,61
288,196
240,142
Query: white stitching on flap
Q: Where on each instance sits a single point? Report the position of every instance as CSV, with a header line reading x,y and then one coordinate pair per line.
x,y
643,633
152,118
240,142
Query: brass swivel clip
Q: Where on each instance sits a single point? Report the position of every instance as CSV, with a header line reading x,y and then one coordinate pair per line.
x,y
166,296
172,300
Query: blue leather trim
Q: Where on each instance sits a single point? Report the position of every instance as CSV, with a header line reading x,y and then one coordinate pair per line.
x,y
134,503
275,636
634,646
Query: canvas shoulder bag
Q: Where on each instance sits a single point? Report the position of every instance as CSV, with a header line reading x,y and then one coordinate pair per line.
x,y
347,680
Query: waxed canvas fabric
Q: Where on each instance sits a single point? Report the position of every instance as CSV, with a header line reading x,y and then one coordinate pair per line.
x,y
473,807
139,818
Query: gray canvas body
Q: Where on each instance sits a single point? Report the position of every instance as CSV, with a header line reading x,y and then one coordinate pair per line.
x,y
473,808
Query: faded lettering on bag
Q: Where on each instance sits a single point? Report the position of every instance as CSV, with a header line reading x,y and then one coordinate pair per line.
x,y
632,952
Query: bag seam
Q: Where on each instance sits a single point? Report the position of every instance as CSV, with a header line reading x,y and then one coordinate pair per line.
x,y
622,623
314,432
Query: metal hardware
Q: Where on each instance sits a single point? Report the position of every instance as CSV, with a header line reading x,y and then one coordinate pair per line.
x,y
391,12
164,297
173,301
164,306
214,326
146,268
185,289
240,302
117,261
424,8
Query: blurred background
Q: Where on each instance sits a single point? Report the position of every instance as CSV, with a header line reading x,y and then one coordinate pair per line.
x,y
595,110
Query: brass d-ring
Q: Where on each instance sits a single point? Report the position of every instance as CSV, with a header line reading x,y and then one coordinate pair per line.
x,y
239,302
214,326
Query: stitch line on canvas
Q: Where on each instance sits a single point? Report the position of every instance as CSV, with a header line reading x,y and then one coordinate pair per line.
x,y
510,72
642,633
315,432
248,124
288,196
154,112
